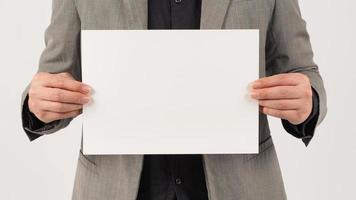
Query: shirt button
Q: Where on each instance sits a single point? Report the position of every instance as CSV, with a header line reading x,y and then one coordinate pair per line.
x,y
178,181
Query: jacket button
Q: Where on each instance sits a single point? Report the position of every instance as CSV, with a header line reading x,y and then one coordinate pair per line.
x,y
178,181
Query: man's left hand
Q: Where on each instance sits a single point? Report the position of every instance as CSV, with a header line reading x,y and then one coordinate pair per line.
x,y
286,96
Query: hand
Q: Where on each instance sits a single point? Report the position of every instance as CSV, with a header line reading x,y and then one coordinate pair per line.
x,y
57,96
286,96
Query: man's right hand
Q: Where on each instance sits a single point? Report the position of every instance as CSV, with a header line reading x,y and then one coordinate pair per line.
x,y
57,96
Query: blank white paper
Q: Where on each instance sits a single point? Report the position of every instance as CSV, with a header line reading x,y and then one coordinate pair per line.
x,y
170,91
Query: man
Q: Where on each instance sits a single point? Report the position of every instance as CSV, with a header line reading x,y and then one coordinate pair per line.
x,y
292,90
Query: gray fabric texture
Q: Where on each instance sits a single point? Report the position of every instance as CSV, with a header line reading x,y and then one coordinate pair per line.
x,y
284,48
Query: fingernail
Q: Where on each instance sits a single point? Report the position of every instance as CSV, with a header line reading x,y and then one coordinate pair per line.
x,y
86,89
86,100
254,84
253,95
250,86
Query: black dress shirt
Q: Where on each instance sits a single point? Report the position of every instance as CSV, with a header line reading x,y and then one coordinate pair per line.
x,y
177,177
169,177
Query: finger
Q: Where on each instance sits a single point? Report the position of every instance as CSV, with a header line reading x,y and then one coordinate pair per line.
x,y
66,82
65,74
47,117
282,114
275,80
285,104
63,96
279,92
52,106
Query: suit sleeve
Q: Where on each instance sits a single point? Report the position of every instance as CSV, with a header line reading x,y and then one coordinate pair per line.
x,y
61,54
305,130
288,50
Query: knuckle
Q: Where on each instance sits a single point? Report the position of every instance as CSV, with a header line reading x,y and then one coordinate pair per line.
x,y
297,74
39,75
56,116
81,97
32,104
31,92
267,110
278,113
299,116
262,94
283,105
76,113
59,82
57,95
303,77
308,93
284,78
59,106
262,102
72,114
284,92
262,82
77,98
65,74
41,115
300,113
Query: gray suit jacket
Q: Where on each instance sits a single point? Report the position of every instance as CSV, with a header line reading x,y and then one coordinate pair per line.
x,y
284,48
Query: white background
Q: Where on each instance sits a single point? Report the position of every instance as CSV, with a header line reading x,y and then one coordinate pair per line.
x,y
45,169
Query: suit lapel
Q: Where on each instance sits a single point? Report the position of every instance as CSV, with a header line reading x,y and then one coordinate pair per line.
x,y
213,13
